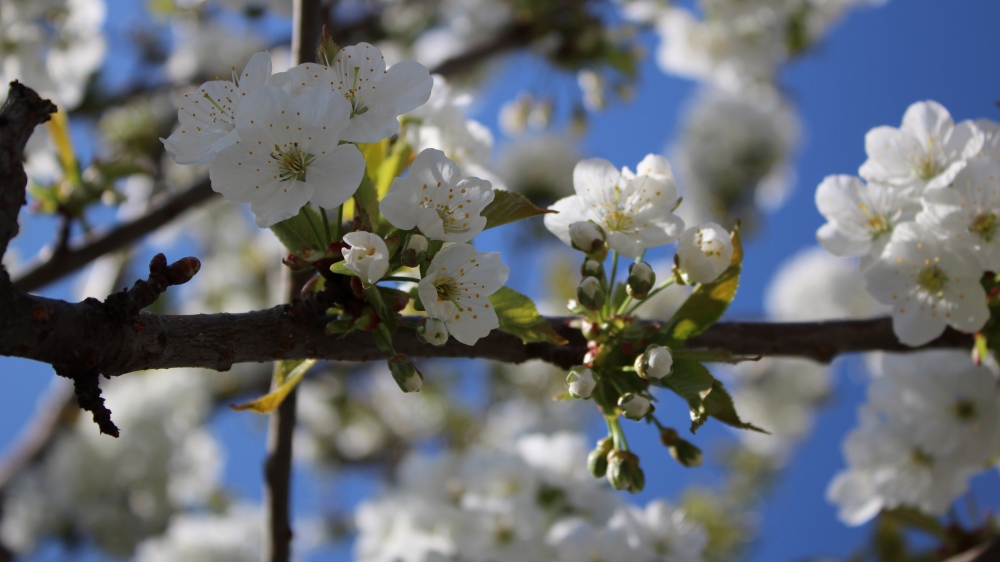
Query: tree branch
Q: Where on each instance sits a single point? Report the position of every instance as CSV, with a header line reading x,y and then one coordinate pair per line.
x,y
41,272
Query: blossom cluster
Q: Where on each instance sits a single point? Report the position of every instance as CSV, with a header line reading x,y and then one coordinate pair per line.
x,y
930,424
52,46
286,140
121,491
923,218
530,501
736,45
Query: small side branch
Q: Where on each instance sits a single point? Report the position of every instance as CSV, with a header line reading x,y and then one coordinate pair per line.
x,y
39,273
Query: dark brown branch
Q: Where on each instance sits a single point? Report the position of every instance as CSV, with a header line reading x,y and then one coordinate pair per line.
x,y
39,273
53,331
19,116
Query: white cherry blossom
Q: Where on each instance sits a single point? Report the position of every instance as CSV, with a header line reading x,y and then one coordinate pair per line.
x,y
926,151
661,532
704,252
950,405
928,285
440,123
457,287
288,154
860,216
888,469
377,95
368,256
208,116
435,198
635,211
968,211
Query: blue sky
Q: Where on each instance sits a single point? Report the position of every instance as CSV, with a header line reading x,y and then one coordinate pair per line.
x,y
870,68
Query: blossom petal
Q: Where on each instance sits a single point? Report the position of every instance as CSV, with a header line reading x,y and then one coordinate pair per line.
x,y
336,175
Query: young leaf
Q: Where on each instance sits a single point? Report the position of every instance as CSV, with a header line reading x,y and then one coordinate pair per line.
x,y
508,206
340,268
518,316
287,374
367,200
719,405
297,234
709,301
391,167
691,381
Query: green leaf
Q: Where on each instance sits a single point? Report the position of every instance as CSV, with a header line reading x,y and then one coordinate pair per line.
x,y
287,375
341,268
367,200
297,234
391,167
709,301
508,206
719,405
518,316
690,380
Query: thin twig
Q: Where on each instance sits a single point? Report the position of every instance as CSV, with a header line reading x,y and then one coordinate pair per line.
x,y
39,273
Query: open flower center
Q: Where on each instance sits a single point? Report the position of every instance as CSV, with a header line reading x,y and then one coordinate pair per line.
x,y
965,410
985,226
354,96
920,458
292,163
932,279
447,289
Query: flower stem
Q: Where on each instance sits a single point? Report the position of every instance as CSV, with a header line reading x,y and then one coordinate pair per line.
x,y
662,286
611,283
312,225
339,224
326,226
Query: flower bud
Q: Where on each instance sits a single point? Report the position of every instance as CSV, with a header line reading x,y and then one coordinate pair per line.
x,y
590,330
367,321
624,472
415,251
581,382
683,451
405,373
592,268
590,293
367,257
597,460
434,332
655,363
634,406
703,253
640,280
588,238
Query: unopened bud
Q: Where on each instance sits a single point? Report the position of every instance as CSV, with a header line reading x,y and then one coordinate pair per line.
x,y
588,238
415,251
182,270
655,363
592,268
590,294
434,332
704,253
624,472
581,382
597,460
590,330
368,320
640,280
634,406
405,373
